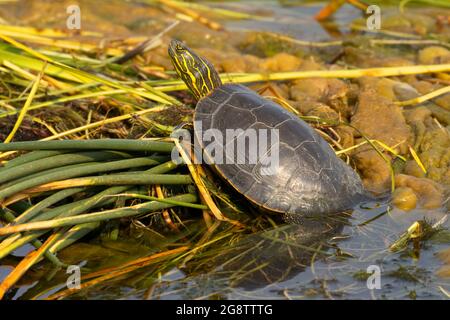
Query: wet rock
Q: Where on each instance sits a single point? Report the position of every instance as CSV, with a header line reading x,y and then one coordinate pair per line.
x,y
337,97
314,88
445,257
443,101
369,58
281,62
417,23
240,63
383,86
346,135
234,64
393,62
415,88
421,87
380,119
332,92
304,105
406,90
311,64
265,45
441,115
232,61
198,35
359,57
374,170
417,119
404,198
279,90
413,169
396,22
108,18
432,140
434,55
435,154
418,114
429,193
323,111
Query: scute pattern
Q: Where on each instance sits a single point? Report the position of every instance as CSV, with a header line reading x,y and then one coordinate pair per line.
x,y
310,179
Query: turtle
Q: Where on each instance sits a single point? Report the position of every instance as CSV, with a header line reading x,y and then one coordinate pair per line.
x,y
309,180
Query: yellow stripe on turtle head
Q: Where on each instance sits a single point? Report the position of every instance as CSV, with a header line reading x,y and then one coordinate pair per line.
x,y
198,74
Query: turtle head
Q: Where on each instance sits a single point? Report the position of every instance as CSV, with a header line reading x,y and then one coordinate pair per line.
x,y
197,72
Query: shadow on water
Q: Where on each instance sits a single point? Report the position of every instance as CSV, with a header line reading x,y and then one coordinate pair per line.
x,y
276,255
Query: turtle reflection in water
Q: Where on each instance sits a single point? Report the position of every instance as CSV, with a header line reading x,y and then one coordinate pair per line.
x,y
310,179
267,258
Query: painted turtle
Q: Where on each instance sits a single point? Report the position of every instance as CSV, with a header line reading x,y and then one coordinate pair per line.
x,y
309,179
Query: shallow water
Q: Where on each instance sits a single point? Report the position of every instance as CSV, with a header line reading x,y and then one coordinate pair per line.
x,y
352,248
297,22
314,276
326,277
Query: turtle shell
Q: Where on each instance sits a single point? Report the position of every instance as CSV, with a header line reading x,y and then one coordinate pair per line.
x,y
309,179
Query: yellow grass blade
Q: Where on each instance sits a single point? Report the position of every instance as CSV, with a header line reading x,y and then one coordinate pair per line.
x,y
175,85
23,73
447,294
58,43
46,32
355,73
425,97
204,193
86,77
113,272
417,159
27,263
27,104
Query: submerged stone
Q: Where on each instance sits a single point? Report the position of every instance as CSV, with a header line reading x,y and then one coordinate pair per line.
x,y
430,193
404,198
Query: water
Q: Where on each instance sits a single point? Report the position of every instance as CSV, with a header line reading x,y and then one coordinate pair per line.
x,y
345,246
332,277
296,22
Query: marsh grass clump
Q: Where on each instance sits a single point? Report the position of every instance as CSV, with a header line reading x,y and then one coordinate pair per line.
x,y
420,231
361,275
409,274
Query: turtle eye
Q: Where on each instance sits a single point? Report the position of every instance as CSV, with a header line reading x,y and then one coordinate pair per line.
x,y
179,48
